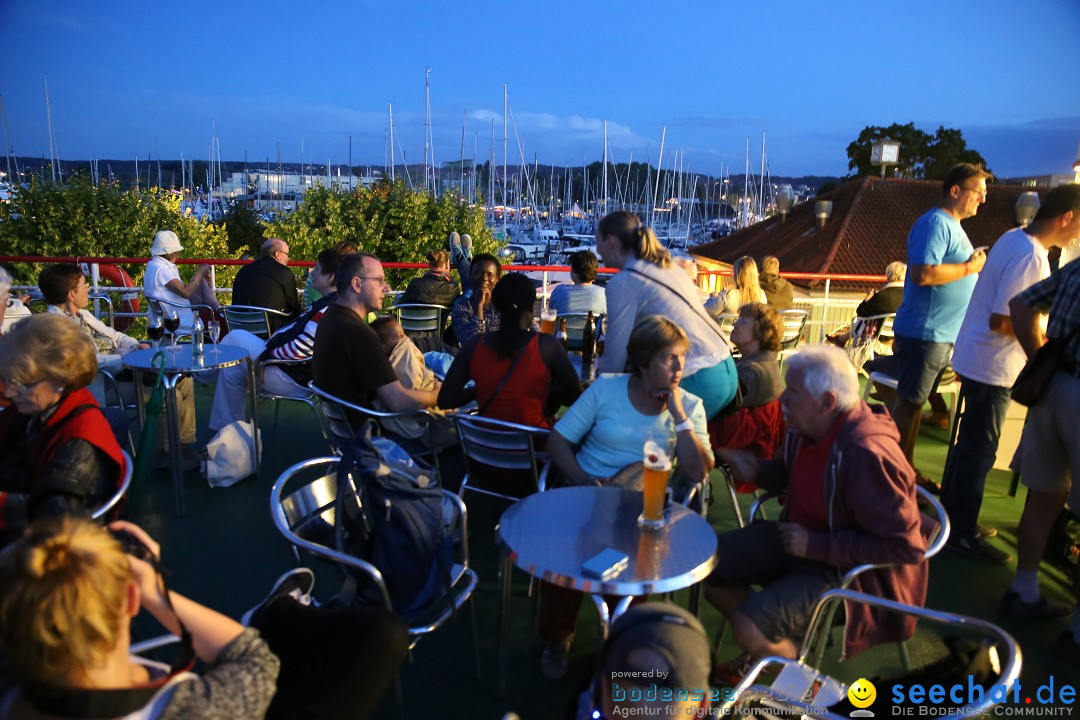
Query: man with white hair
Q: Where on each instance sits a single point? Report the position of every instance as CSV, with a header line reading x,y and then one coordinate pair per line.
x,y
850,500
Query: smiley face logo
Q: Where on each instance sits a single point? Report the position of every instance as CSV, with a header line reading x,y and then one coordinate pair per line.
x,y
862,693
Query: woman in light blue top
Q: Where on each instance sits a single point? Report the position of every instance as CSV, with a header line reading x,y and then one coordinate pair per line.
x,y
618,413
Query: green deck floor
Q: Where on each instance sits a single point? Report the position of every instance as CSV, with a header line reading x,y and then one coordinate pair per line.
x,y
226,554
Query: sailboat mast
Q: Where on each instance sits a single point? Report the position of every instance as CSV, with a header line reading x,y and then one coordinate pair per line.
x,y
506,103
390,109
656,187
761,184
53,160
8,152
427,128
604,208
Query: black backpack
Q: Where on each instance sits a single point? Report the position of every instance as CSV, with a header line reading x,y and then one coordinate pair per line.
x,y
397,526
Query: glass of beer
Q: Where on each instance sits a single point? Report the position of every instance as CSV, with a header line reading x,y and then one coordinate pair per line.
x,y
547,321
655,480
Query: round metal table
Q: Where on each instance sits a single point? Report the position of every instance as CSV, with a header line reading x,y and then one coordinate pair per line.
x,y
551,534
180,362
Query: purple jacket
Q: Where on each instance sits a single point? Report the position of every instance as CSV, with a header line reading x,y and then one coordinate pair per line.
x,y
873,519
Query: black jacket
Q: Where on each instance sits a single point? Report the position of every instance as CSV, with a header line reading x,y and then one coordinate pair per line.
x,y
269,284
430,289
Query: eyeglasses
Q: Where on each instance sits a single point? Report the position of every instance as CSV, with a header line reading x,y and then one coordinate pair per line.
x,y
283,252
17,387
380,280
981,192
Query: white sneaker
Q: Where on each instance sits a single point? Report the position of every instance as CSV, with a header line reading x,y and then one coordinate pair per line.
x,y
297,584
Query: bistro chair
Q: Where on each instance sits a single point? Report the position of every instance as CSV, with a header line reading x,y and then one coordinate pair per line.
x,y
501,457
867,333
114,500
258,321
575,327
158,307
885,380
794,328
801,689
309,399
929,505
341,421
420,318
303,505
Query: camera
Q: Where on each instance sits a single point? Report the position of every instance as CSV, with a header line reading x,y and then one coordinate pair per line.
x,y
132,545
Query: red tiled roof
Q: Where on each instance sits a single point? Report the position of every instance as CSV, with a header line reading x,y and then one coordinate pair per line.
x,y
867,230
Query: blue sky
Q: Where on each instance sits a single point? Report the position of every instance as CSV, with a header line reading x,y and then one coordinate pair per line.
x,y
132,78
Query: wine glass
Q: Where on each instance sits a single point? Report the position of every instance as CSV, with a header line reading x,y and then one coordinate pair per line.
x,y
154,330
172,324
215,333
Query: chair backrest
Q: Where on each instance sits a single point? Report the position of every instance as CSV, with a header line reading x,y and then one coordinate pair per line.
x,y
799,687
488,443
575,327
794,325
121,491
256,320
420,317
726,321
341,420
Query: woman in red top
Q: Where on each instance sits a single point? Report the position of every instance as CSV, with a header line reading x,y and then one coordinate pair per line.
x,y
58,455
513,366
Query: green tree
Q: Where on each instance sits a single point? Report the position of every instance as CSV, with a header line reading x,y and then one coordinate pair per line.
x,y
388,220
86,220
244,230
921,155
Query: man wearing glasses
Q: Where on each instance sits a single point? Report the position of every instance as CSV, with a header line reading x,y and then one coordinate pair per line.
x,y
349,360
942,265
268,283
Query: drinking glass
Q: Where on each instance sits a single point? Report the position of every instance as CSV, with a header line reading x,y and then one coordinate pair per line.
x,y
215,333
547,322
172,324
154,330
657,472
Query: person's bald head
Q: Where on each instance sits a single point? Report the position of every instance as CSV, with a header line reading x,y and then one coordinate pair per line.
x,y
277,249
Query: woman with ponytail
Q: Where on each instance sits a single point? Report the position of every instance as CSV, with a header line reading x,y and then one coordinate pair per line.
x,y
649,283
68,593
512,366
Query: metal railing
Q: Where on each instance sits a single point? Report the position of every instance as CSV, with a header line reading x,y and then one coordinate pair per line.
x,y
827,309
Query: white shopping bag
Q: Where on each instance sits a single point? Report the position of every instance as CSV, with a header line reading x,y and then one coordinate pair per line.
x,y
231,455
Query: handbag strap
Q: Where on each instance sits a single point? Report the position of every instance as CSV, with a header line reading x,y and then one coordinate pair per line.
x,y
697,309
506,377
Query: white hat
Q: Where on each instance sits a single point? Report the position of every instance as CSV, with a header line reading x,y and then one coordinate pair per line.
x,y
165,243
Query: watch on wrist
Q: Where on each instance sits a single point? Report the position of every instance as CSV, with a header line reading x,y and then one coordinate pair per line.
x,y
686,424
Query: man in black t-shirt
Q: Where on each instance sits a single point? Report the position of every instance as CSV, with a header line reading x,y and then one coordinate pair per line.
x,y
349,361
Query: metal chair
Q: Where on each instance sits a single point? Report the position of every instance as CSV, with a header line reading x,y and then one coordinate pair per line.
x,y
794,327
504,446
310,399
951,388
303,512
256,320
800,689
866,333
341,420
420,317
116,497
575,327
726,321
158,305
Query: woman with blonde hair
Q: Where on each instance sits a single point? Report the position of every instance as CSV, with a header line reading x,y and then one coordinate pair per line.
x,y
649,283
68,593
747,289
58,454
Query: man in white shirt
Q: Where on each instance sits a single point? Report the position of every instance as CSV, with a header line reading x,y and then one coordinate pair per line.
x,y
988,358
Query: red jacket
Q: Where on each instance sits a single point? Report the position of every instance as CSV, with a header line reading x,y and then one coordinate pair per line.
x,y
28,462
873,519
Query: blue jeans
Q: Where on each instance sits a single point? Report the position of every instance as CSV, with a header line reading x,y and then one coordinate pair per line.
x,y
973,457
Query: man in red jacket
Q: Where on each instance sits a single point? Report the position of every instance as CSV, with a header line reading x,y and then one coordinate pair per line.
x,y
850,501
